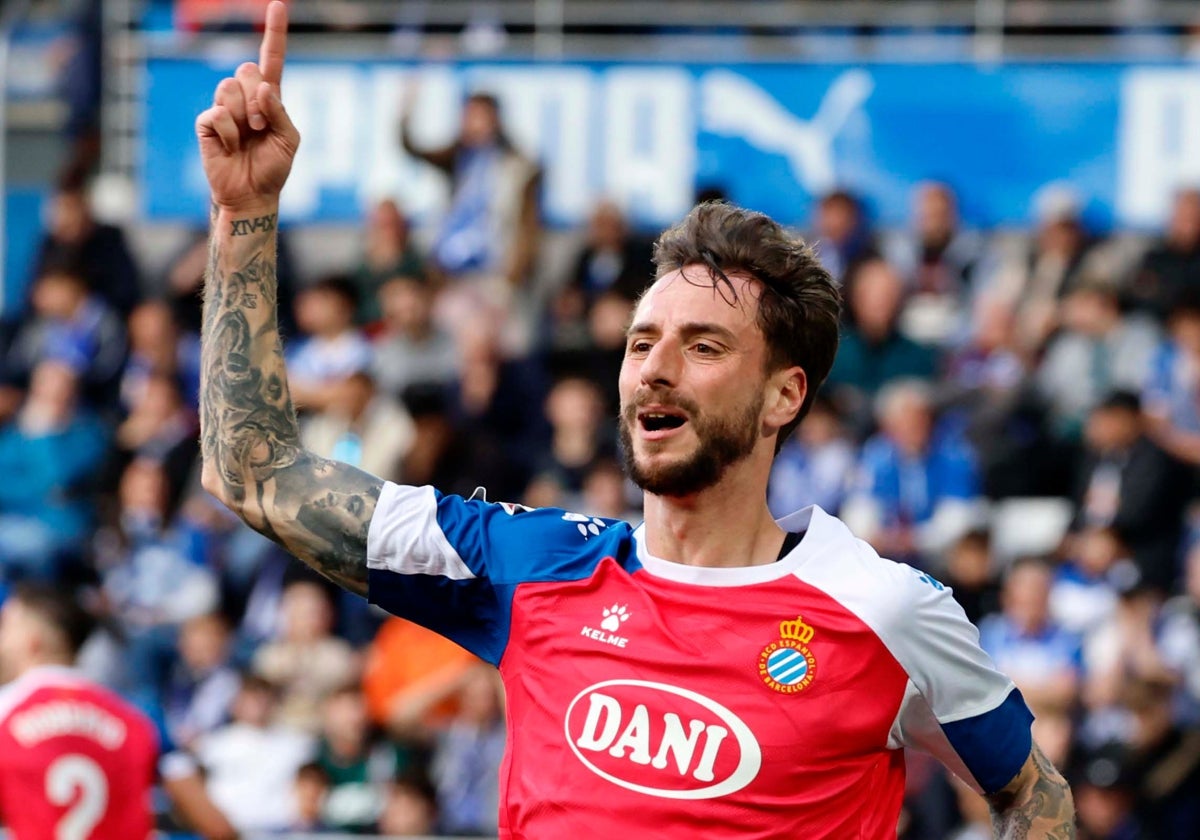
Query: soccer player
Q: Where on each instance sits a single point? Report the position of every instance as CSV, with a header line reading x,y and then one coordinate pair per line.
x,y
76,761
711,673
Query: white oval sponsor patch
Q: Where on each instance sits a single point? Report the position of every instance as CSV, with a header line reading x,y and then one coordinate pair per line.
x,y
661,740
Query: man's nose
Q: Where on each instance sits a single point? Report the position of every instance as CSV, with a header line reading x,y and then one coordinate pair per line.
x,y
662,364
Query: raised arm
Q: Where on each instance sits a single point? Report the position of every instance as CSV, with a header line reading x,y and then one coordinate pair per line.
x,y
1036,804
317,509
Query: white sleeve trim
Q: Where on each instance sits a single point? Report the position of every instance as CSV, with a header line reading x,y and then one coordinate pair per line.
x,y
404,536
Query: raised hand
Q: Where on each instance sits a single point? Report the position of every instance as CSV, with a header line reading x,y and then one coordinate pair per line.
x,y
247,140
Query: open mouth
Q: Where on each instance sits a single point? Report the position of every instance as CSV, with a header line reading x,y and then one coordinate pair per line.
x,y
661,420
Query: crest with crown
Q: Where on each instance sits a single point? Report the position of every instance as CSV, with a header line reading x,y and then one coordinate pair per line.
x,y
797,630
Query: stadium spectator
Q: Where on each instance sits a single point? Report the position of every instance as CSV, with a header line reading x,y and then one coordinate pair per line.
x,y
986,385
306,661
612,258
579,432
51,451
388,252
1097,351
312,792
815,465
1083,596
1170,270
1038,276
362,427
357,766
466,759
1166,758
1117,653
1178,640
1130,485
1171,398
162,428
74,326
411,349
605,492
487,242
158,347
410,809
498,399
74,237
453,456
1105,792
1042,658
411,677
917,484
250,763
873,352
154,575
841,233
938,256
972,576
491,228
202,683
331,348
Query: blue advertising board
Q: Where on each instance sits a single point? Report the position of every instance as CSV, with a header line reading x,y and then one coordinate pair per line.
x,y
774,136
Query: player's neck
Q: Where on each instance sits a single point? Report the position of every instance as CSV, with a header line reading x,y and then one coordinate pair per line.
x,y
726,525
36,663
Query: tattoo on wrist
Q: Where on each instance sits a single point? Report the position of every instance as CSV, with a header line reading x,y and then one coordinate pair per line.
x,y
259,224
1043,809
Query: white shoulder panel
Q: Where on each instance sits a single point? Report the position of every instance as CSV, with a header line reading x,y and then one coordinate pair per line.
x,y
915,617
405,538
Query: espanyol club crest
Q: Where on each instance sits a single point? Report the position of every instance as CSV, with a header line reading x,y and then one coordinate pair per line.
x,y
787,665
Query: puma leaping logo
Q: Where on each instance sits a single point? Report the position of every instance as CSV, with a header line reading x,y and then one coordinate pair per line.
x,y
734,106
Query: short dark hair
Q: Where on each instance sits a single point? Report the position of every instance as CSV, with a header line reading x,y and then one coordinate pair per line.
x,y
1123,400
313,770
60,610
801,306
339,285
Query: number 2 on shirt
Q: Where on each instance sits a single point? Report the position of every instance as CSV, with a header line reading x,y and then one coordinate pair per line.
x,y
74,772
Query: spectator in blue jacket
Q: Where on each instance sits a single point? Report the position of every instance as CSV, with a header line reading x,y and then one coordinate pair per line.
x,y
917,485
48,452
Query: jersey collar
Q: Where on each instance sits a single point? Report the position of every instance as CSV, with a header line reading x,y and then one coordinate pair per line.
x,y
821,532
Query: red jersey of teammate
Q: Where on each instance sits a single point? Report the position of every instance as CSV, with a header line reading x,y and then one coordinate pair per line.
x,y
76,761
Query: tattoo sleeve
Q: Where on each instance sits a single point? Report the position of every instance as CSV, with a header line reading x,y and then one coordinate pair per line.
x,y
1037,804
317,509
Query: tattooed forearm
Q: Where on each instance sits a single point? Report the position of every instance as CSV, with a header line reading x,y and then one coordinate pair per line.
x,y
315,508
259,224
1037,804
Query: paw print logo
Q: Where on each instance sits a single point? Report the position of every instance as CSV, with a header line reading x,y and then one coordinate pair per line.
x,y
589,526
614,616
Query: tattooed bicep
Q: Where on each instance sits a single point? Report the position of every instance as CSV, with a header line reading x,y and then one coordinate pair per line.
x,y
323,512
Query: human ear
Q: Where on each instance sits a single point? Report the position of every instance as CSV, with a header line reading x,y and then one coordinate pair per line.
x,y
789,388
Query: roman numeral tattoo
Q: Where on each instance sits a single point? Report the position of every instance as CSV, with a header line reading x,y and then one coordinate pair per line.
x,y
245,227
317,509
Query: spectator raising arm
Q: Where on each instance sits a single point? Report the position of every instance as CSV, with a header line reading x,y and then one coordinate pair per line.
x,y
253,462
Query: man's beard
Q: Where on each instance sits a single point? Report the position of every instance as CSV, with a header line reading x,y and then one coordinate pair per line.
x,y
721,442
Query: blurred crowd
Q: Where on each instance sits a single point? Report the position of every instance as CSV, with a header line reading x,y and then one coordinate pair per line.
x,y
1017,414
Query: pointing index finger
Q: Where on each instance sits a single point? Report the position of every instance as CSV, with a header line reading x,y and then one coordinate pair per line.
x,y
274,44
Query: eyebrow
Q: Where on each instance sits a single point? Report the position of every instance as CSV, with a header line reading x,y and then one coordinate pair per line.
x,y
689,330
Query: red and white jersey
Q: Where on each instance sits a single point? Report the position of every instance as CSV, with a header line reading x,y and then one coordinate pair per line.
x,y
758,702
76,761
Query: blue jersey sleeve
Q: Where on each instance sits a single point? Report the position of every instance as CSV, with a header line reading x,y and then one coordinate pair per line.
x,y
453,564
